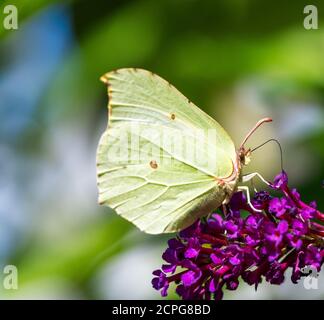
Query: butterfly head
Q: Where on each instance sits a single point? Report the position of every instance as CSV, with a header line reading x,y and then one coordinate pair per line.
x,y
244,155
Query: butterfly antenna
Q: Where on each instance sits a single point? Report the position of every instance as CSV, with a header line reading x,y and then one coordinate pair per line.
x,y
279,145
257,125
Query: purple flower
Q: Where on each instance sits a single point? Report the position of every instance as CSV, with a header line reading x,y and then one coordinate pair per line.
x,y
282,227
190,277
235,261
279,206
295,194
296,273
212,254
191,231
299,228
308,213
231,228
237,202
280,181
273,239
160,282
275,274
216,259
171,256
314,256
192,249
261,200
294,241
232,285
215,224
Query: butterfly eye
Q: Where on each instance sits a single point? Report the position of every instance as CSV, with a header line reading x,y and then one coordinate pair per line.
x,y
241,154
247,153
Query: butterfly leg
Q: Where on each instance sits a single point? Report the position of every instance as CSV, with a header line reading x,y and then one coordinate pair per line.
x,y
209,216
224,209
250,176
248,199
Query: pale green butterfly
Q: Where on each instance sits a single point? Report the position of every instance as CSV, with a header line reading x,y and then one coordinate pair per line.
x,y
137,179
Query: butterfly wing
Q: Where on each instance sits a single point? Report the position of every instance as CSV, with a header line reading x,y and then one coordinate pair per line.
x,y
141,174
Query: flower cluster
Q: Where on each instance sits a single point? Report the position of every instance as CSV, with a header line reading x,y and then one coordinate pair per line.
x,y
274,234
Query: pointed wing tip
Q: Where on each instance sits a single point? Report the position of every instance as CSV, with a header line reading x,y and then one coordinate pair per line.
x,y
104,78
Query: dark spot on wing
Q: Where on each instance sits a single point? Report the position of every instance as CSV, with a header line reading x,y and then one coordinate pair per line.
x,y
172,116
153,164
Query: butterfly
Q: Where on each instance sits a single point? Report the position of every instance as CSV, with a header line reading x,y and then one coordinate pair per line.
x,y
143,172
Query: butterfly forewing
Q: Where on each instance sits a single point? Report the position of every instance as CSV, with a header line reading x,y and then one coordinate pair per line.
x,y
161,157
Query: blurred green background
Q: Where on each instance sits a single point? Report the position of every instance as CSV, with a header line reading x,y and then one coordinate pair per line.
x,y
239,60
